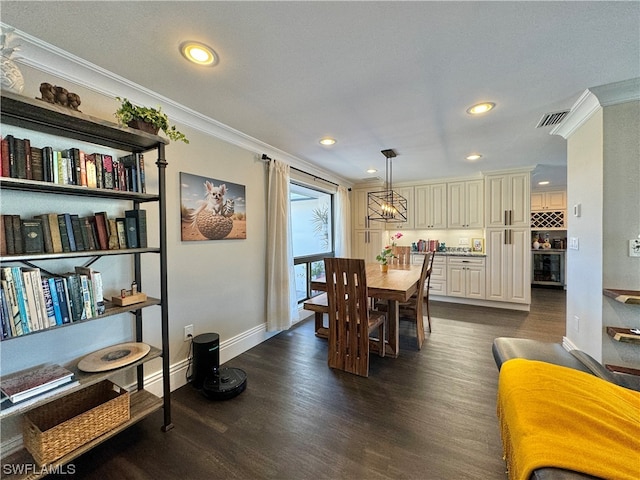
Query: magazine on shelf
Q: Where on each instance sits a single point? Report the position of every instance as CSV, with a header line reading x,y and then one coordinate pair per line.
x,y
25,384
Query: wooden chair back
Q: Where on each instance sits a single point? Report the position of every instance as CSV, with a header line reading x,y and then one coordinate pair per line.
x,y
402,256
350,320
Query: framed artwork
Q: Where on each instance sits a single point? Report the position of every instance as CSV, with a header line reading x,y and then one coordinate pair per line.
x,y
477,245
211,209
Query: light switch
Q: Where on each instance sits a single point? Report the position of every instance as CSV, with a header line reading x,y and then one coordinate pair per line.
x,y
573,243
577,210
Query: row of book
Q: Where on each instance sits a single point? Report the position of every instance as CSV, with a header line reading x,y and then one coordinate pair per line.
x,y
33,301
64,232
72,166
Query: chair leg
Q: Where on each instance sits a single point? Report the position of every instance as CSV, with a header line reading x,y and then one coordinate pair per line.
x,y
428,315
381,336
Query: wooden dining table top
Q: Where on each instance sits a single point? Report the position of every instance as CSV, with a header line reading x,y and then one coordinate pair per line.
x,y
398,283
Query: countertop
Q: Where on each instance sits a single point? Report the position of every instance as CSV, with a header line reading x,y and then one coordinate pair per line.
x,y
456,254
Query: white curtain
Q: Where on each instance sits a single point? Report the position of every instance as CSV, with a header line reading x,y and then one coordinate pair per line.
x,y
282,305
343,223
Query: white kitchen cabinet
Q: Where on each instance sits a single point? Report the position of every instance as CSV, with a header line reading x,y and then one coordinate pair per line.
x,y
431,206
408,193
508,265
548,201
359,210
466,277
465,204
438,284
367,244
507,200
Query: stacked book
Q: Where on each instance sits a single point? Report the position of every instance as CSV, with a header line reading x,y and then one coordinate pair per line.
x,y
72,166
35,383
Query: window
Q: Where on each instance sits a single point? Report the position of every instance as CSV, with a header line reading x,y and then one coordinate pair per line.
x,y
312,235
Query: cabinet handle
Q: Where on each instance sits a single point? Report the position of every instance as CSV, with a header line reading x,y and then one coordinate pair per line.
x,y
510,217
505,219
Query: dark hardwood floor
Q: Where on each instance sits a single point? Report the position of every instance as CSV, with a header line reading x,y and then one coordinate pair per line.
x,y
429,414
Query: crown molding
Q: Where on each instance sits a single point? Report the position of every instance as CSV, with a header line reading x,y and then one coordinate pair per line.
x,y
595,98
40,55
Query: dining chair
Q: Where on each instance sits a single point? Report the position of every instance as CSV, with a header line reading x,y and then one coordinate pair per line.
x,y
350,320
402,256
412,309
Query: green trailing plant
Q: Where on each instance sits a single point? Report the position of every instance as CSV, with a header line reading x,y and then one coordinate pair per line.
x,y
129,112
320,222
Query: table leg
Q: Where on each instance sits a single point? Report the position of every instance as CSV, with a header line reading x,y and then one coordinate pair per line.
x,y
393,329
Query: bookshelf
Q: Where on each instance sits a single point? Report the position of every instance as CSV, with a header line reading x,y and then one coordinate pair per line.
x,y
39,116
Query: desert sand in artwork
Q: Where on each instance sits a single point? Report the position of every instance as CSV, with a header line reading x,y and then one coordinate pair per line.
x,y
239,231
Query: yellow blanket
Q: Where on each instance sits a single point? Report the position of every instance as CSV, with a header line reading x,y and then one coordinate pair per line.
x,y
552,416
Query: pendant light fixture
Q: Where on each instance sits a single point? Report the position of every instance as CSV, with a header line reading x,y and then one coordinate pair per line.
x,y
387,205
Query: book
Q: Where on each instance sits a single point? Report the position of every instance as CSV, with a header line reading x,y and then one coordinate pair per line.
x,y
83,168
37,166
7,221
90,166
88,236
63,299
15,325
99,173
76,301
25,321
18,244
87,295
143,186
32,235
35,316
95,278
114,244
77,232
140,217
116,174
3,237
55,302
70,232
6,406
48,302
20,158
25,384
6,169
47,164
27,153
46,232
107,171
57,168
132,232
54,227
64,233
5,319
11,147
122,232
101,228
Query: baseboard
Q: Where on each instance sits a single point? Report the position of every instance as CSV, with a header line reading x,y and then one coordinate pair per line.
x,y
568,344
522,307
229,349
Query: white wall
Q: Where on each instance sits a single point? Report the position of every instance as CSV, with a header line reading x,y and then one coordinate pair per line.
x,y
621,222
584,266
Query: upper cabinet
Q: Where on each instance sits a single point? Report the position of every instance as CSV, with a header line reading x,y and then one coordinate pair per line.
x,y
431,206
508,200
465,204
541,201
406,192
360,218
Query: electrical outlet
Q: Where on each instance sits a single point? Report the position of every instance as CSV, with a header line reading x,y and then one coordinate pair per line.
x,y
188,332
463,241
634,247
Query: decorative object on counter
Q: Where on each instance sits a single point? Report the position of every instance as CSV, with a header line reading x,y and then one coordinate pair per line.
x,y
383,257
219,214
129,297
59,96
396,236
536,244
387,205
11,76
441,248
477,245
147,119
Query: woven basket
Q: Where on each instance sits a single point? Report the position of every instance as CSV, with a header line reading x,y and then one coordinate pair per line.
x,y
59,427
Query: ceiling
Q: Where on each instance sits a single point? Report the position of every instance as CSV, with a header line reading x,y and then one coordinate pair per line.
x,y
373,75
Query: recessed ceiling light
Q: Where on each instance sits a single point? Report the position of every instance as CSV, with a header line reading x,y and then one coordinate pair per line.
x,y
372,170
198,53
544,182
480,108
474,156
327,141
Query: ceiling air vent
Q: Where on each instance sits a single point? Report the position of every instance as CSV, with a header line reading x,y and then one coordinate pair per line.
x,y
552,119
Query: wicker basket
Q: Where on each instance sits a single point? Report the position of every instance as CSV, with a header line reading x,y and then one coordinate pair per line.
x,y
59,427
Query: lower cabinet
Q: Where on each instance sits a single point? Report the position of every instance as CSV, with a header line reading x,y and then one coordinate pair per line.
x,y
508,270
466,277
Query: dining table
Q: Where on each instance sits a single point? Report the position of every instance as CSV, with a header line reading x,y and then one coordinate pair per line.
x,y
396,285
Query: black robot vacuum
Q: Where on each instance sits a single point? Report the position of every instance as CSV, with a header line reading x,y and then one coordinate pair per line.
x,y
214,382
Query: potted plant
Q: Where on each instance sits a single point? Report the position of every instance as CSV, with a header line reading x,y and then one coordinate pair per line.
x,y
147,119
383,257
